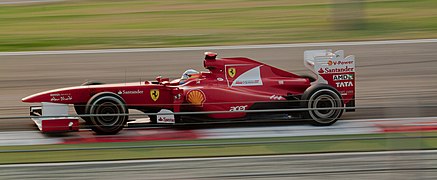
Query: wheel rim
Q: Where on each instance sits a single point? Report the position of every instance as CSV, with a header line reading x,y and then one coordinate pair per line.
x,y
328,100
107,108
324,101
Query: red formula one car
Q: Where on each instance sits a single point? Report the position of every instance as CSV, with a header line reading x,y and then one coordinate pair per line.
x,y
234,86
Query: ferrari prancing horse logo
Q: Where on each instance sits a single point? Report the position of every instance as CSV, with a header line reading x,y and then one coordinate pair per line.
x,y
232,72
154,94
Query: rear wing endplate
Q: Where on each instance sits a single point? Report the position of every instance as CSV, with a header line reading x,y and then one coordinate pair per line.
x,y
334,69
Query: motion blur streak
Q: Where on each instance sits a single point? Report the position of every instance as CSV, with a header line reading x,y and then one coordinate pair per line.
x,y
264,46
26,1
362,165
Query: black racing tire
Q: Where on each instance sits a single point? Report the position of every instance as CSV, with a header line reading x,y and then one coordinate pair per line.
x,y
322,96
107,103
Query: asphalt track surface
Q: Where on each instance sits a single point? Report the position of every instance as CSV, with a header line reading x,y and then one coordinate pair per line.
x,y
362,165
388,74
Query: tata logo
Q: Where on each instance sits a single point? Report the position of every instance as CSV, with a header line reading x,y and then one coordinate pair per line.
x,y
154,94
344,84
232,72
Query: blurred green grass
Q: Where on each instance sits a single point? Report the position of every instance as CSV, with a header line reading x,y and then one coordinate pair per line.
x,y
95,24
369,142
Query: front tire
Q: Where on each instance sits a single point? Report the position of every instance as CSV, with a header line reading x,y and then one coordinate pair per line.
x,y
323,96
107,104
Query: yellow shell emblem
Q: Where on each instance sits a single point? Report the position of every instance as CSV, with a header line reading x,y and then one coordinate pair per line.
x,y
196,97
232,72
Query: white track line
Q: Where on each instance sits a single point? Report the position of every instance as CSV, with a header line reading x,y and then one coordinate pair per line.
x,y
394,119
20,138
215,158
265,46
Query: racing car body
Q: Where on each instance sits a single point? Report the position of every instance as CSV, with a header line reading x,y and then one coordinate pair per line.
x,y
230,86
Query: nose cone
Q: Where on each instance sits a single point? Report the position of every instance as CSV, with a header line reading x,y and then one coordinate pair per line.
x,y
35,98
27,99
68,95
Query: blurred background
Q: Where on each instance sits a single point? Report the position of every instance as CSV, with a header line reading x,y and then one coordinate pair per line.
x,y
44,43
96,24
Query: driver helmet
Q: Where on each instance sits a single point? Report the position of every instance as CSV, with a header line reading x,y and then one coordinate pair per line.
x,y
189,74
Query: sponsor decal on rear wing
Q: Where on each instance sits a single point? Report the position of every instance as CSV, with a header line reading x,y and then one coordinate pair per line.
x,y
334,69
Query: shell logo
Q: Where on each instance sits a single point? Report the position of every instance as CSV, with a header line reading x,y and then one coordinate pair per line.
x,y
196,97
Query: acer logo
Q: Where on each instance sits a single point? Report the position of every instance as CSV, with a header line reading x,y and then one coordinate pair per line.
x,y
238,108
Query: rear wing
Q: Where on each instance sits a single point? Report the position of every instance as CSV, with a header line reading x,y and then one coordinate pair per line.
x,y
334,69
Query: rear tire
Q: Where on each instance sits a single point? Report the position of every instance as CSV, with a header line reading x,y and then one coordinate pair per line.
x,y
107,104
322,96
